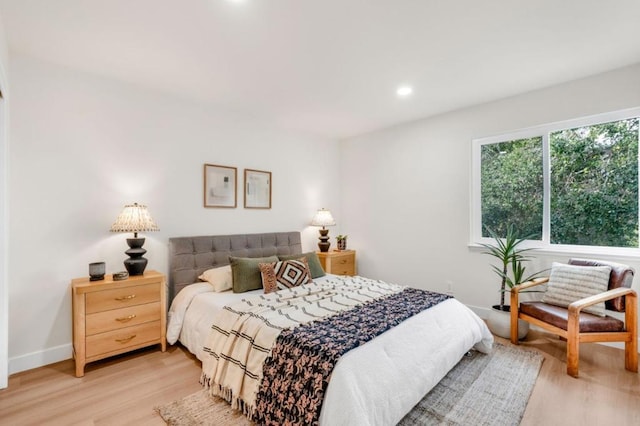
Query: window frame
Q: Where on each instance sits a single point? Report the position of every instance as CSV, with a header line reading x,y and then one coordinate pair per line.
x,y
544,132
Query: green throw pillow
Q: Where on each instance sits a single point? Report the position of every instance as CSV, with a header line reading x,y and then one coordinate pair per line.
x,y
314,263
246,272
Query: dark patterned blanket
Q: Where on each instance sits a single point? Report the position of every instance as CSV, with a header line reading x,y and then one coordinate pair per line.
x,y
297,373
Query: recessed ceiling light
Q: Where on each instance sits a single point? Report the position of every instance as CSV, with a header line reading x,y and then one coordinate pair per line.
x,y
404,91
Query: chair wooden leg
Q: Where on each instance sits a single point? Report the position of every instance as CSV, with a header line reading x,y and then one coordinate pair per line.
x,y
514,318
573,357
631,356
573,343
631,323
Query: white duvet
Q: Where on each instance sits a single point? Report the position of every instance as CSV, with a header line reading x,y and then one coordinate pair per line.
x,y
374,384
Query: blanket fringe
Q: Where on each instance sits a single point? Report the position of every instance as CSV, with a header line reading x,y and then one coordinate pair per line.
x,y
227,394
205,380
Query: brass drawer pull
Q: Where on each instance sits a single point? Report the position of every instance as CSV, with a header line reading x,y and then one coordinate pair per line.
x,y
123,298
126,339
343,261
125,319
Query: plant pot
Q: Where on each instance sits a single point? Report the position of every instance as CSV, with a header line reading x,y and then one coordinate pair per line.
x,y
499,323
342,244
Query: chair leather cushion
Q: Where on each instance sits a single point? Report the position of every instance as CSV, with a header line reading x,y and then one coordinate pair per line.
x,y
559,316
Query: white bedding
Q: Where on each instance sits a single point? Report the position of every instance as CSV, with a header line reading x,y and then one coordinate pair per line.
x,y
374,384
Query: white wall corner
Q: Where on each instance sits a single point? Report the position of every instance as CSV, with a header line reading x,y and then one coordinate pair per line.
x,y
40,358
479,311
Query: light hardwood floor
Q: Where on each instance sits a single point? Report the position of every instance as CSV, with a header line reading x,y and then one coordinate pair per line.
x,y
123,390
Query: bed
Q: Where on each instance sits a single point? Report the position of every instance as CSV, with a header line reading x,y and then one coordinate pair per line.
x,y
376,383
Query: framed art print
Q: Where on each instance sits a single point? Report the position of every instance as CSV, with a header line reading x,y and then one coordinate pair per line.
x,y
220,186
257,189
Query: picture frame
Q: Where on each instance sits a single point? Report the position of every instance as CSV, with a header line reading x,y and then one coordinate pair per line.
x,y
257,189
220,186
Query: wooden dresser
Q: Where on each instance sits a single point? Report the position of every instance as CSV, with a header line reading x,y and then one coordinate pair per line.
x,y
114,317
338,262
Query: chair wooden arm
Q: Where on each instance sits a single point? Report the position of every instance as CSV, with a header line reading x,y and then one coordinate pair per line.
x,y
578,305
523,286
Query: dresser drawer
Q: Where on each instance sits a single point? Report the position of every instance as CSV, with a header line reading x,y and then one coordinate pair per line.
x,y
338,262
114,319
121,297
343,264
343,270
122,338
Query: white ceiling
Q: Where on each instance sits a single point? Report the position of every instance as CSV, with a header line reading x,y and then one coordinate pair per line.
x,y
331,67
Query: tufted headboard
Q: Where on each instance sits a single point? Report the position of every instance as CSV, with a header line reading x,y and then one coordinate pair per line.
x,y
191,256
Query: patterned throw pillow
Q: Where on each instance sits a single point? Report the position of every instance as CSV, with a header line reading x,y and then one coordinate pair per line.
x,y
284,274
315,268
568,283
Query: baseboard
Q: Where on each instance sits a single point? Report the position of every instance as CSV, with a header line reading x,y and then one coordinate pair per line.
x,y
484,314
40,358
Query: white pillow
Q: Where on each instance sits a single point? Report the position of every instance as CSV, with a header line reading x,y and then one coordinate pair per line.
x,y
568,283
178,309
219,278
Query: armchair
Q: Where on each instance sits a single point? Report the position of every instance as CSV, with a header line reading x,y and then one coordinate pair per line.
x,y
576,326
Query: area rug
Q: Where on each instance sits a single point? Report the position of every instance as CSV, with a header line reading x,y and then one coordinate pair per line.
x,y
481,389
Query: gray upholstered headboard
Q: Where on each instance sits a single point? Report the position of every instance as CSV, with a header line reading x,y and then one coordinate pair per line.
x,y
191,256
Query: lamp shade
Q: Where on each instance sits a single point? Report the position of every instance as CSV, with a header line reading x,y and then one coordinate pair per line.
x,y
134,218
323,218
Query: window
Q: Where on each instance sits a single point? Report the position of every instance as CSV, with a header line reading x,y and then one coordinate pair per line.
x,y
511,185
564,184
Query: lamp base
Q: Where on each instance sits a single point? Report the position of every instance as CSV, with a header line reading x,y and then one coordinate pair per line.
x,y
324,243
136,264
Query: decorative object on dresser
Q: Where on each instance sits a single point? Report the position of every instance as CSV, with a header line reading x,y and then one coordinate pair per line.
x,y
220,186
135,218
342,242
257,189
113,317
96,271
339,262
119,276
323,218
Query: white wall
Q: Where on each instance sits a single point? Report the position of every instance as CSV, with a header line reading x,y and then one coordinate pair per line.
x,y
4,147
413,182
83,146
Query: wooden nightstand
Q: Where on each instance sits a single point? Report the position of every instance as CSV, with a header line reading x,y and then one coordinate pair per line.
x,y
114,317
338,262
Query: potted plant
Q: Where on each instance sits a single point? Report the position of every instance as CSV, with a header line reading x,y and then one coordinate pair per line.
x,y
342,242
511,271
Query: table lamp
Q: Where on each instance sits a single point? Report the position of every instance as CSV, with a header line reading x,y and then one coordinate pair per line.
x,y
135,218
323,218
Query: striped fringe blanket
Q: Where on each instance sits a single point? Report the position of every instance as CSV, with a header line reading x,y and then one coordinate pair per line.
x,y
317,322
